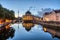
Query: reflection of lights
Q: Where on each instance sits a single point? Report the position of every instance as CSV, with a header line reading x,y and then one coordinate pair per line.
x,y
2,22
28,24
0,25
8,26
44,29
6,34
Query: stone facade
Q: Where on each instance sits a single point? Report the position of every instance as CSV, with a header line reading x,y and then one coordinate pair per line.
x,y
52,16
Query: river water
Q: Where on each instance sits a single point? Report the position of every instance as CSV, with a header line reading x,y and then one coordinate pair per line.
x,y
36,33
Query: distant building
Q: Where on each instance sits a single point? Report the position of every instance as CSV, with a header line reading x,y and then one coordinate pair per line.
x,y
36,18
28,16
19,19
52,16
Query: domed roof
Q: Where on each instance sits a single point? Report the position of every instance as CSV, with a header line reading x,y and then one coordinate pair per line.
x,y
28,12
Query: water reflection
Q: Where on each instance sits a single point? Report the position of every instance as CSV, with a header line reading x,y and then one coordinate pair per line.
x,y
36,33
7,34
53,32
27,20
28,26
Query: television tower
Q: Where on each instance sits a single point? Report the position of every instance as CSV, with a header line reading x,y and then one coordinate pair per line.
x,y
18,19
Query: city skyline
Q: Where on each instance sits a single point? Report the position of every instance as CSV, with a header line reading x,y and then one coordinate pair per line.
x,y
33,19
24,5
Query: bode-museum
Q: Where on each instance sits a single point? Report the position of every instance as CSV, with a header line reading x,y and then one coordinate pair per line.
x,y
28,20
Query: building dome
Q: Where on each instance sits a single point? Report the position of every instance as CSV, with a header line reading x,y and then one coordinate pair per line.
x,y
28,12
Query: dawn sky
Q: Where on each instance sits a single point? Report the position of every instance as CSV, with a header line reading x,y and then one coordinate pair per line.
x,y
24,5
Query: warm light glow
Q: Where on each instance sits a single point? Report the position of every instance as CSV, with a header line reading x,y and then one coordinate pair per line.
x,y
1,21
19,15
8,20
27,18
46,19
8,26
44,29
28,24
16,16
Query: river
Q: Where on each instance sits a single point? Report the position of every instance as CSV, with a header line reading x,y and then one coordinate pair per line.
x,y
36,33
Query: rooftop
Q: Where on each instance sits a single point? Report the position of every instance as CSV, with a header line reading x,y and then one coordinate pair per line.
x,y
56,11
28,12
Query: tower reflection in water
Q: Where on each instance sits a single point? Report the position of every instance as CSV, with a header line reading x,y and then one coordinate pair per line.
x,y
7,33
54,32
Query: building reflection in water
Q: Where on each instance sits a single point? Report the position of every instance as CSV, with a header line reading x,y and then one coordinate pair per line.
x,y
28,26
7,33
27,21
53,32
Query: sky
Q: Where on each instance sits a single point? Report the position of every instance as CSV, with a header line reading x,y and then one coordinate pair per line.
x,y
24,5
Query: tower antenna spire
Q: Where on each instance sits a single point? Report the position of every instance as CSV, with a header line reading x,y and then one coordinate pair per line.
x,y
18,19
18,13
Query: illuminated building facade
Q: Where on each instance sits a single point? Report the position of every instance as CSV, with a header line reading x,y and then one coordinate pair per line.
x,y
52,16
